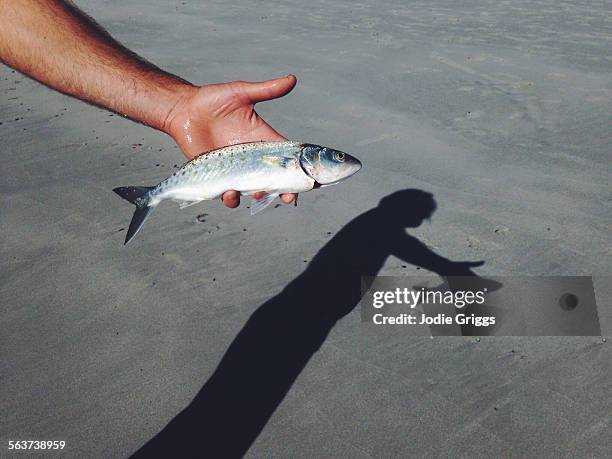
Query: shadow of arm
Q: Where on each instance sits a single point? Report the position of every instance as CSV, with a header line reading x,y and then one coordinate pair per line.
x,y
413,251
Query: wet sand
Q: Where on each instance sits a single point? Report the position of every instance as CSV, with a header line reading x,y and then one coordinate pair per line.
x,y
500,110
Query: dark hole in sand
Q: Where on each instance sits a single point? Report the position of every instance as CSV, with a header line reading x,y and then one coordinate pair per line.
x,y
568,301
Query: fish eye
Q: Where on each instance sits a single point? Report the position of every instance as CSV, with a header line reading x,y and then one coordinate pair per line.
x,y
339,156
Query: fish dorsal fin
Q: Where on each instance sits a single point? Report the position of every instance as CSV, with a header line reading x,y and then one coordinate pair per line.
x,y
280,161
260,204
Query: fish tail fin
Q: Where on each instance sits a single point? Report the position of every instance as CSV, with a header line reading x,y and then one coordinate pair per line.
x,y
137,195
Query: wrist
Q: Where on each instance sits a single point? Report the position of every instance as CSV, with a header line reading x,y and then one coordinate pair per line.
x,y
167,99
174,101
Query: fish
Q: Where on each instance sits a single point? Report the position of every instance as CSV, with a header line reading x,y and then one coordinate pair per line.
x,y
270,167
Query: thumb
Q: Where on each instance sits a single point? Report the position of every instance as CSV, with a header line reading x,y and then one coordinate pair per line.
x,y
269,89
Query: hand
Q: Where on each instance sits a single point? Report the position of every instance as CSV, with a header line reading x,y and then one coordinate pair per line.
x,y
217,115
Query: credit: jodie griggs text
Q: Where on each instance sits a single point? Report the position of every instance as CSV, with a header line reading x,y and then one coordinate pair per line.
x,y
411,298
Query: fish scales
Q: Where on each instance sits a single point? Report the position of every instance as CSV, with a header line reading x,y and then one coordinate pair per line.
x,y
244,168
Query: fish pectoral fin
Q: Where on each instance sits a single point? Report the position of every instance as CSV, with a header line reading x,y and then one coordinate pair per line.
x,y
185,204
261,204
281,161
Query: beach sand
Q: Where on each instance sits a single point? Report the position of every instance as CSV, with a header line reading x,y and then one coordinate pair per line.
x,y
500,109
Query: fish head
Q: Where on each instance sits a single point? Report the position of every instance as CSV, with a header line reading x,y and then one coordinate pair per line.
x,y
326,165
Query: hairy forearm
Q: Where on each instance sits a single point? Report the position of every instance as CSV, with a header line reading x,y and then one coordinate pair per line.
x,y
55,43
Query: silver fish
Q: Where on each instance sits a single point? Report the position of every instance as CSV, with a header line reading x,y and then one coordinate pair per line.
x,y
271,167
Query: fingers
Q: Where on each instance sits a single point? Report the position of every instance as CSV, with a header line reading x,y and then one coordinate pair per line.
x,y
231,199
270,89
288,198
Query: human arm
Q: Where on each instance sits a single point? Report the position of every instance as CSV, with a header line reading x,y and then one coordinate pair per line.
x,y
55,43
